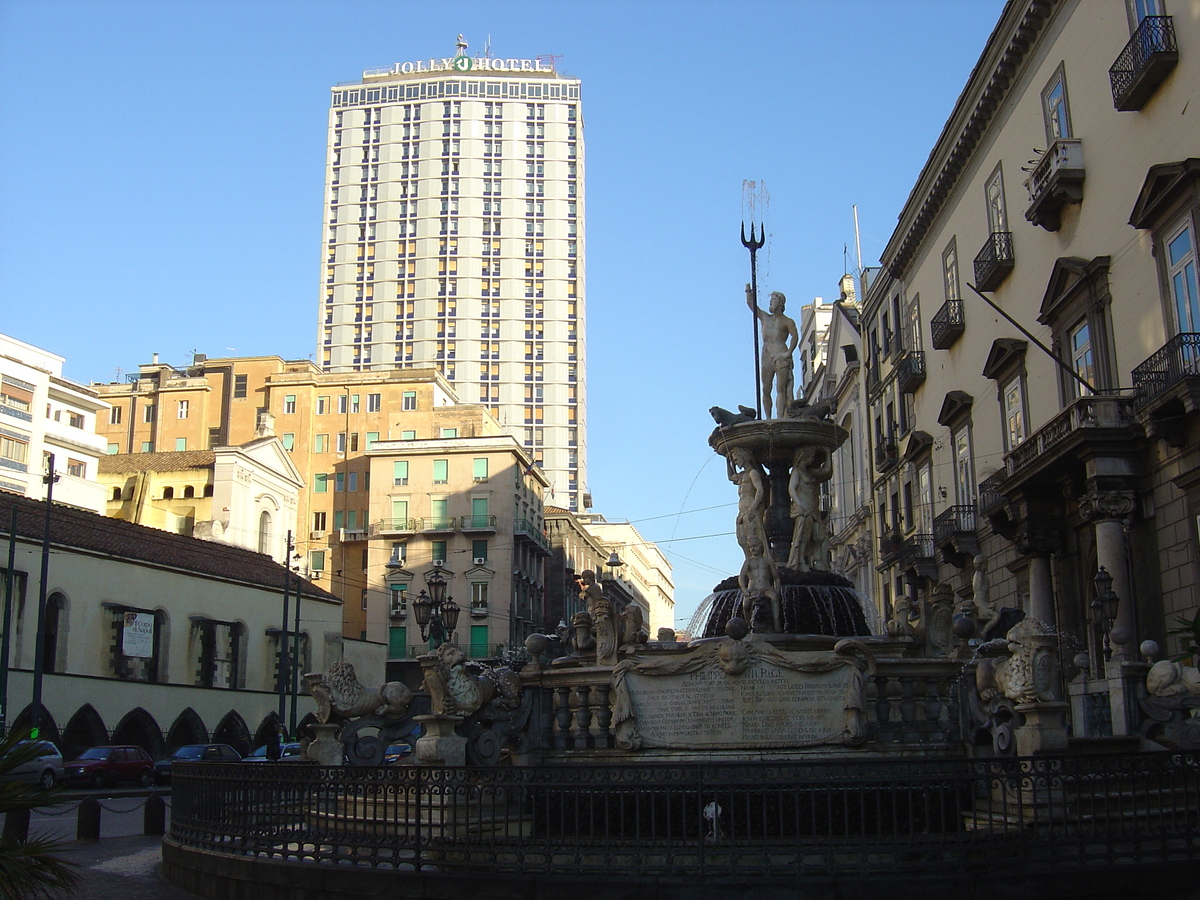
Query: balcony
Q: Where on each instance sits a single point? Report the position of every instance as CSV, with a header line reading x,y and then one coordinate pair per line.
x,y
994,261
887,455
1146,60
916,553
1055,181
889,546
947,325
1100,418
438,523
394,526
523,528
478,523
910,371
1176,360
954,534
991,498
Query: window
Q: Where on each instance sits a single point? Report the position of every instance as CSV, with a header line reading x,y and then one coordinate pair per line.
x,y
408,435
352,481
320,483
997,215
114,416
341,442
114,449
321,443
289,441
1011,398
180,444
289,404
239,387
479,469
1181,275
441,471
950,271
400,472
1076,307
438,551
342,404
148,413
449,432
1055,109
409,400
479,595
14,451
1080,345
371,438
374,405
322,405
319,521
182,412
316,560
339,482
479,550
147,446
964,475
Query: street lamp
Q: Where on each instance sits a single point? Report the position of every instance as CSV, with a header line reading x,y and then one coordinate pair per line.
x,y
435,612
1104,608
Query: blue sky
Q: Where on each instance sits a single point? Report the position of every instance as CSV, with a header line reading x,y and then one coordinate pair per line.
x,y
163,164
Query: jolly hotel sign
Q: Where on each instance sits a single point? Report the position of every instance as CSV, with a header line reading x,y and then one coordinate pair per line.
x,y
467,64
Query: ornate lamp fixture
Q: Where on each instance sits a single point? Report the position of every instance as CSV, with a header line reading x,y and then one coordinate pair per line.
x,y
435,612
1105,607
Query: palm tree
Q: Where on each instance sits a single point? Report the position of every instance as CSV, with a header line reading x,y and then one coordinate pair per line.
x,y
28,868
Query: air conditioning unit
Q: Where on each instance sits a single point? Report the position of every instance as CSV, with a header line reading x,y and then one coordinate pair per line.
x,y
316,535
399,482
439,562
479,560
480,479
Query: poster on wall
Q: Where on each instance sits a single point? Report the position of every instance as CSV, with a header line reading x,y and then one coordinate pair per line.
x,y
138,636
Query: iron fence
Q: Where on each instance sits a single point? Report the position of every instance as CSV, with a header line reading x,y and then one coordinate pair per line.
x,y
763,819
1171,363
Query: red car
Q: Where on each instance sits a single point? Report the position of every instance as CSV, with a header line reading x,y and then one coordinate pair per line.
x,y
99,766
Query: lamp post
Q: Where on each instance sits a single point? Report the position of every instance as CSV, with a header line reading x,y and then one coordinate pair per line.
x,y
436,612
1105,607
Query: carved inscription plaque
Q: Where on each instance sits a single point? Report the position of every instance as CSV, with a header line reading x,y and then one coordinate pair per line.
x,y
764,706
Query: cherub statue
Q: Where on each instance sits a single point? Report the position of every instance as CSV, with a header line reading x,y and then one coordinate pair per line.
x,y
759,582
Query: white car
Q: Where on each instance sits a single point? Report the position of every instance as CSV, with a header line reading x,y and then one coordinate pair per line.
x,y
45,770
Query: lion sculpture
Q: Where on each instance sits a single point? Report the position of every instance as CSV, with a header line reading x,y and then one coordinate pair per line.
x,y
453,691
340,696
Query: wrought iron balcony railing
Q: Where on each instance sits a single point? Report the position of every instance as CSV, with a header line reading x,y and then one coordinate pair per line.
x,y
394,526
1140,68
1055,181
994,261
527,529
990,496
910,371
887,455
478,523
961,519
947,324
1177,359
438,523
917,553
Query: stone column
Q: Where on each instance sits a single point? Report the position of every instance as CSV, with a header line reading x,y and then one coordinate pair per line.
x,y
1038,543
1106,510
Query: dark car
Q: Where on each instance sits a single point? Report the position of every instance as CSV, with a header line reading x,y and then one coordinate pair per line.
x,y
194,753
99,766
287,751
45,769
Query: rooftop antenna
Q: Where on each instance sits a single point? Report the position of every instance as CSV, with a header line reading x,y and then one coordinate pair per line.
x,y
460,46
487,48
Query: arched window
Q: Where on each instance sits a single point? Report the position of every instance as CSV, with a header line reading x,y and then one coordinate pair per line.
x,y
264,532
208,490
168,493
189,492
53,635
116,494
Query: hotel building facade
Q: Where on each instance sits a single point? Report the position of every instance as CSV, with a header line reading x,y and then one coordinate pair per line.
x,y
454,238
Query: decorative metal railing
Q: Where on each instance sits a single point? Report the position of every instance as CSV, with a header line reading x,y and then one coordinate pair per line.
x,y
478,523
526,528
1091,412
990,497
722,820
910,371
437,523
955,520
394,526
1176,359
947,324
1150,54
994,260
915,549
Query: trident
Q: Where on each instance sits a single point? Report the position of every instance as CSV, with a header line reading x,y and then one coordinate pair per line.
x,y
753,244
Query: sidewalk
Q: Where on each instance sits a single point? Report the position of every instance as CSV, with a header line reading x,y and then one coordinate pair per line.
x,y
129,868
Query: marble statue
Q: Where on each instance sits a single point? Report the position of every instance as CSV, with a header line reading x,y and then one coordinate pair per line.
x,y
1021,666
905,615
759,583
1168,678
633,628
604,626
986,617
453,691
810,542
340,696
752,498
779,340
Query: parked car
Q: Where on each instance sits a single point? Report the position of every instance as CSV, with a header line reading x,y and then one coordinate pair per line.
x,y
194,753
396,752
45,769
290,749
99,766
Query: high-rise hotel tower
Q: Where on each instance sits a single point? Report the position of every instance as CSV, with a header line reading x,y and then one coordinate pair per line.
x,y
454,237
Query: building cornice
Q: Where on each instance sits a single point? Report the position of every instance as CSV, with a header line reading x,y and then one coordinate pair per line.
x,y
1007,51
